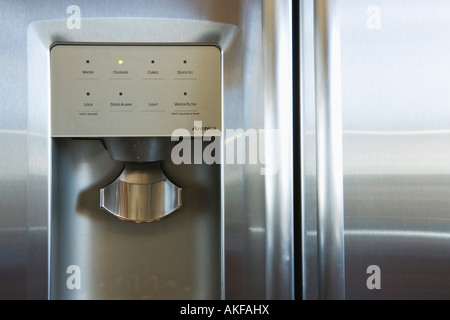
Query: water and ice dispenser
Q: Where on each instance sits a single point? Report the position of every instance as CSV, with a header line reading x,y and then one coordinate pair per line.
x,y
114,109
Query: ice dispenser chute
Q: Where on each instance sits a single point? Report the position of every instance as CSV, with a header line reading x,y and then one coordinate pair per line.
x,y
142,192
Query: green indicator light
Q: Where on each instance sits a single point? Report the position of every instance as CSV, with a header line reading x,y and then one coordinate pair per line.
x,y
120,61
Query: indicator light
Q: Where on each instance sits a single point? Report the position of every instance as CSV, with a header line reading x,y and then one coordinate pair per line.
x,y
120,61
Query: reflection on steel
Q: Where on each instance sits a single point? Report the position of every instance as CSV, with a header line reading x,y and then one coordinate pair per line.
x,y
277,60
142,193
330,204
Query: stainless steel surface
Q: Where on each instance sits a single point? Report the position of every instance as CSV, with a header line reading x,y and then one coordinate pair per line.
x,y
142,193
14,226
257,207
307,170
395,149
237,26
330,194
277,72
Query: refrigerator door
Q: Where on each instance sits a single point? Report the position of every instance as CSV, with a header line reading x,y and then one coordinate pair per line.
x,y
388,124
256,258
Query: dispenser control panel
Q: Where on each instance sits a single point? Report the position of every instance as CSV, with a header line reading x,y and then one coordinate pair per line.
x,y
134,90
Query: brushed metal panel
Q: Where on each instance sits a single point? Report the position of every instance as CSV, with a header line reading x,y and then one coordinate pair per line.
x,y
395,142
13,231
13,157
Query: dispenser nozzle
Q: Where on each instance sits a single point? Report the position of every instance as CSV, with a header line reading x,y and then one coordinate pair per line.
x,y
142,193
